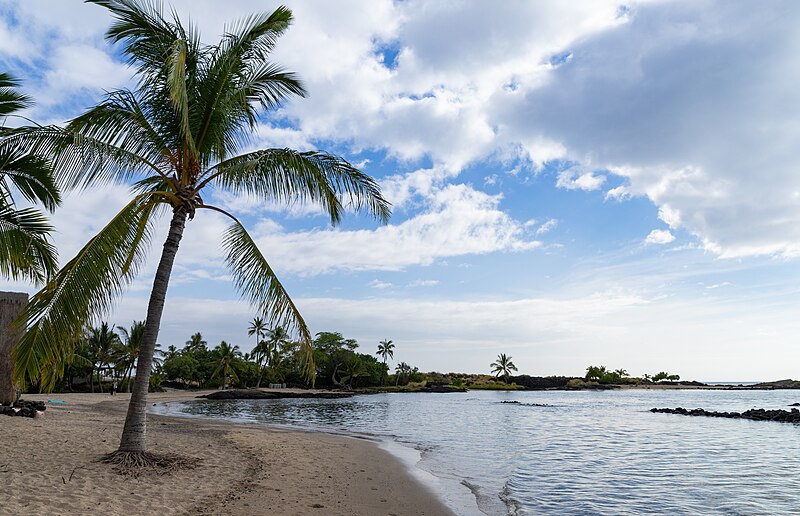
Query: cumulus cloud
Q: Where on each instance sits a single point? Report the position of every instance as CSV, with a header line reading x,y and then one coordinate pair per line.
x,y
659,237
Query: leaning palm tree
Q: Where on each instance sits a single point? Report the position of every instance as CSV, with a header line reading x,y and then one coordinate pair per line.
x,y
503,366
177,134
225,364
385,349
25,251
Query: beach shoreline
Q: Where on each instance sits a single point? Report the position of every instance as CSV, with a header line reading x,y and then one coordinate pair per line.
x,y
49,465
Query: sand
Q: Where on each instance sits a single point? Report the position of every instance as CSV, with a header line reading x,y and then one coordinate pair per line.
x,y
48,465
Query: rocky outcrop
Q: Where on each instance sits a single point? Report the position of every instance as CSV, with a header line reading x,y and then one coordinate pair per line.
x,y
784,416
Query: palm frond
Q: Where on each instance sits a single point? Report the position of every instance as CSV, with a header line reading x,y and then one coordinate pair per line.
x,y
78,160
83,290
25,251
31,175
10,99
256,281
286,175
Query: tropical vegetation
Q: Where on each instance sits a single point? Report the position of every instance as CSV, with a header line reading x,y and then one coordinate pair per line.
x,y
503,367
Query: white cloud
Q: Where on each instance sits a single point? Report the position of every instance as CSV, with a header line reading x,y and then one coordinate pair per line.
x,y
379,284
423,283
546,227
575,180
457,221
659,237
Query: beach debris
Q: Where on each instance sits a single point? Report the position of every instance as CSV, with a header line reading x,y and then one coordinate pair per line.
x,y
57,402
784,416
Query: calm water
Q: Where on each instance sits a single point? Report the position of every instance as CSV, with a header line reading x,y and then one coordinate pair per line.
x,y
588,453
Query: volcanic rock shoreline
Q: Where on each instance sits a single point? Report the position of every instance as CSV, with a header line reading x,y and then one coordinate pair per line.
x,y
783,416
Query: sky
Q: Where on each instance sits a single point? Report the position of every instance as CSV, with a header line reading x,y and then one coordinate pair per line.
x,y
573,183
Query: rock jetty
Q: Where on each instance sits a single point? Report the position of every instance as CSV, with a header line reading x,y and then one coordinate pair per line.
x,y
784,416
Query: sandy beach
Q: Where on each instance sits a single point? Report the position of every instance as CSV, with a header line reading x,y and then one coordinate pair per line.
x,y
48,465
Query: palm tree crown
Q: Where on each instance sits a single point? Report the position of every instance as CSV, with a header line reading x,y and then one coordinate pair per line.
x,y
178,135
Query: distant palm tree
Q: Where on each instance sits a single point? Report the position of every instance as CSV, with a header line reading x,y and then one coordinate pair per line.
x,y
353,369
257,328
402,369
127,350
102,343
227,357
503,366
196,342
385,349
267,349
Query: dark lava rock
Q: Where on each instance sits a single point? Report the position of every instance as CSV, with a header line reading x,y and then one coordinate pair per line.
x,y
255,394
784,416
795,405
22,408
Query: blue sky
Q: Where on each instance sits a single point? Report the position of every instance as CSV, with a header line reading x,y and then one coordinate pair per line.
x,y
573,183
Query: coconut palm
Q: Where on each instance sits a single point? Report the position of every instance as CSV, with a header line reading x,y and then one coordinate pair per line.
x,y
195,342
25,251
102,343
503,366
267,348
385,349
402,369
257,328
177,134
225,364
128,349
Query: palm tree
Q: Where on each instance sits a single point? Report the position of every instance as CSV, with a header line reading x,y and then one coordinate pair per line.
x,y
402,369
177,133
385,349
257,328
227,357
503,366
267,348
195,342
128,350
25,252
102,343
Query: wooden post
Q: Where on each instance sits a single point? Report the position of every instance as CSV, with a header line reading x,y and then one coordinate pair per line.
x,y
11,305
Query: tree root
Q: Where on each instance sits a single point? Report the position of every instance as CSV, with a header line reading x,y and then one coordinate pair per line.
x,y
138,463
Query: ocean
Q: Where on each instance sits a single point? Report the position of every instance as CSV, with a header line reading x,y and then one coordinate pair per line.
x,y
564,452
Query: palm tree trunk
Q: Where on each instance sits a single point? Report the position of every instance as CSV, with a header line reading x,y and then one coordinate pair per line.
x,y
134,433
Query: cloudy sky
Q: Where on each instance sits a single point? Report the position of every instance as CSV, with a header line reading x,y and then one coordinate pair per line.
x,y
573,183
